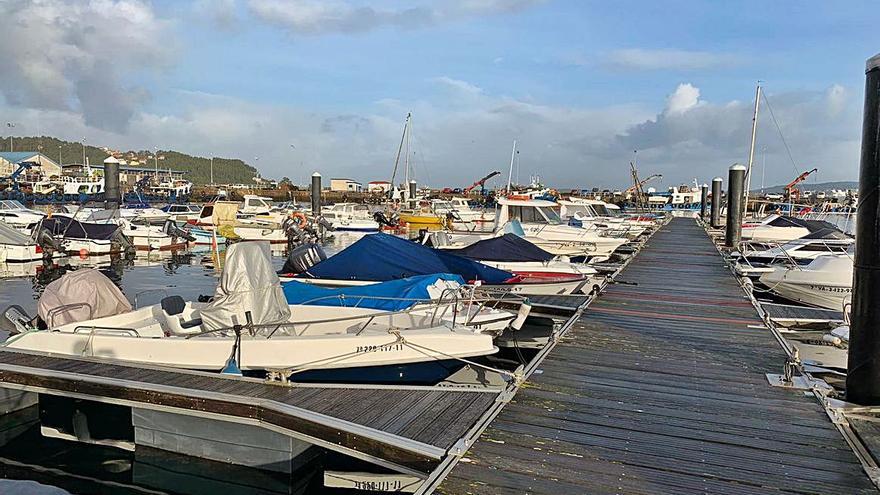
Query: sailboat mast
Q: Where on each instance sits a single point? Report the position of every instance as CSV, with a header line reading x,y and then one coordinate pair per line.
x,y
510,174
399,149
752,148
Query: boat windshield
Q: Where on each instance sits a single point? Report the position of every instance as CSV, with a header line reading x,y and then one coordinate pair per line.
x,y
601,210
534,214
550,215
11,204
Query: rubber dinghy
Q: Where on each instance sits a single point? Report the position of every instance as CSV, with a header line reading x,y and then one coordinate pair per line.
x,y
381,257
249,318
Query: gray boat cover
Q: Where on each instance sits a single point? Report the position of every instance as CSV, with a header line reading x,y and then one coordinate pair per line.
x,y
89,295
248,283
8,235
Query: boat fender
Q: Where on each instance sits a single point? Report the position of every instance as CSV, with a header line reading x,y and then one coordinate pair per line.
x,y
300,218
524,309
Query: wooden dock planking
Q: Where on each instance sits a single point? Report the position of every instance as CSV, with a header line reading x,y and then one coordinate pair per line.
x,y
661,388
408,427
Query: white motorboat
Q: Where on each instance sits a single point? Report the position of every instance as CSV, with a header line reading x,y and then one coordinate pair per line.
x,y
223,215
825,282
803,250
155,237
584,212
778,229
144,214
350,217
183,213
542,226
309,342
19,217
84,238
16,247
461,214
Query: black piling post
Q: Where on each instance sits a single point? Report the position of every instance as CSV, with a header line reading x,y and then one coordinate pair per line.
x,y
735,184
704,192
863,366
716,203
112,196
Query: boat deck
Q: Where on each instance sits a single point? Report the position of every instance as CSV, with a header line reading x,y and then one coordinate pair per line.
x,y
788,315
408,428
661,388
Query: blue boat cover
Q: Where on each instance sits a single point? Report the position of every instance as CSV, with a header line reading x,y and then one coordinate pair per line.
x,y
508,247
381,257
395,295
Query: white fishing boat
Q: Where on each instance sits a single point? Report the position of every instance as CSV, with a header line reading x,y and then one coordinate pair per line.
x,y
248,326
350,217
76,185
826,282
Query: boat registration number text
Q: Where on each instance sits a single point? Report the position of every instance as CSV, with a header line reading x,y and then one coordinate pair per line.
x,y
379,348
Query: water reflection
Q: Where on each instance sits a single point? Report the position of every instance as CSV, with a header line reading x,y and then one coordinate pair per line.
x,y
34,465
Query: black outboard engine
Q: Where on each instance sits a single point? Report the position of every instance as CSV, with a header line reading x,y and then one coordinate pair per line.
x,y
171,228
381,219
46,240
324,223
302,258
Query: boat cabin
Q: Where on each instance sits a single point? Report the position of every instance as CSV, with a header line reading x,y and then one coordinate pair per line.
x,y
527,211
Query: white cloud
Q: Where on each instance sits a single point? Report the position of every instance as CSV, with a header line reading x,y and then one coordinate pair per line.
x,y
74,56
667,59
459,85
685,97
337,16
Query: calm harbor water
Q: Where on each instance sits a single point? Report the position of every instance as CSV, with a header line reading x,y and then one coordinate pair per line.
x,y
34,465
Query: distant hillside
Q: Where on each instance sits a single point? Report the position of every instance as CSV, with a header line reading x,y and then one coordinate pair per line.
x,y
810,186
226,170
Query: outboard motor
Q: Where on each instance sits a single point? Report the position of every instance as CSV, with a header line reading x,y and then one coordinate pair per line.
x,y
324,223
381,219
171,228
46,240
303,257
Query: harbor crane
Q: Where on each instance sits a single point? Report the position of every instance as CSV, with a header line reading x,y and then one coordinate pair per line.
x,y
792,192
481,183
641,198
12,179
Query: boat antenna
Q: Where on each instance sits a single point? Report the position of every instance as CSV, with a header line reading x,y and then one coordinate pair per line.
x,y
399,150
510,174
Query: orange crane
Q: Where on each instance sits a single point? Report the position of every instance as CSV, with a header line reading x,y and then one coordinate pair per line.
x,y
481,183
792,192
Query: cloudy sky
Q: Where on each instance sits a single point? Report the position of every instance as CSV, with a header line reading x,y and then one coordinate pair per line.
x,y
293,86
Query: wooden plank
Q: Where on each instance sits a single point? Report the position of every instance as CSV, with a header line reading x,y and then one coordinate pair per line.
x,y
660,388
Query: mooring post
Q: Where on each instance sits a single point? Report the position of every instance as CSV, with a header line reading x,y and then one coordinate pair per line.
x,y
412,194
704,191
112,197
316,200
716,203
863,364
735,184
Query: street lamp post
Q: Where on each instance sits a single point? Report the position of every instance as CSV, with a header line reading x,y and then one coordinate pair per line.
x,y
59,155
212,169
10,125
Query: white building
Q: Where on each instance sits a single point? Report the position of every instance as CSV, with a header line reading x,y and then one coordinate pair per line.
x,y
378,186
346,185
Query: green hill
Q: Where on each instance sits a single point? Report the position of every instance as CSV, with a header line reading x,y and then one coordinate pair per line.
x,y
226,170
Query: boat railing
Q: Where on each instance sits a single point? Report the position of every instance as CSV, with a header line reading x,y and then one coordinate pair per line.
x,y
55,312
98,330
164,292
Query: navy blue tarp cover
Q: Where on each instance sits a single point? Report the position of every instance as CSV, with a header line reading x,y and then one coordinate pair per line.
x,y
406,293
381,257
508,247
74,229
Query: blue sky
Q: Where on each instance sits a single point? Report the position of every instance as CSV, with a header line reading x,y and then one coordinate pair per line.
x,y
579,84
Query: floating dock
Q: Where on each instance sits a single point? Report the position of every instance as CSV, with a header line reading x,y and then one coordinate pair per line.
x,y
661,387
658,385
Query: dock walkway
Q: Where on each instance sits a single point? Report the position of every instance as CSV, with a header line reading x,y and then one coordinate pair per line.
x,y
660,388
